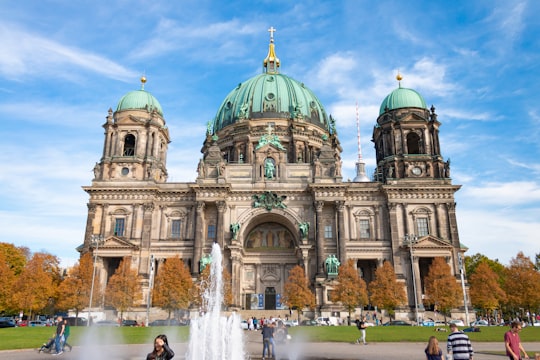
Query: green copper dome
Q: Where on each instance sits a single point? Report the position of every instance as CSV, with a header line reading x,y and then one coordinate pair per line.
x,y
402,98
139,100
270,95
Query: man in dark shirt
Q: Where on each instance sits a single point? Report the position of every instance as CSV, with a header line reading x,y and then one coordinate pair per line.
x,y
268,334
361,325
60,327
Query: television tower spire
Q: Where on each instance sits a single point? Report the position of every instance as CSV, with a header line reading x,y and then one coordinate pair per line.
x,y
360,165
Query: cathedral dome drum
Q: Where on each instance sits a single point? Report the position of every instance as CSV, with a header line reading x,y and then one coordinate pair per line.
x,y
271,95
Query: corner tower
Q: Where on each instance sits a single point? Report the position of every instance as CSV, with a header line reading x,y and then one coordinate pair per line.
x,y
406,139
136,140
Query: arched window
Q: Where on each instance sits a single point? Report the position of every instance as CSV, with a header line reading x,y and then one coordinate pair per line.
x,y
129,145
413,143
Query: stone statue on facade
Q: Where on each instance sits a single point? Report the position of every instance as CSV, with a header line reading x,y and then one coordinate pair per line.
x,y
317,165
269,169
269,200
205,260
332,264
200,169
304,229
96,171
235,227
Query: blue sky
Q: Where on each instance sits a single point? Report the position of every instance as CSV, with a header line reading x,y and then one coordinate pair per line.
x,y
64,64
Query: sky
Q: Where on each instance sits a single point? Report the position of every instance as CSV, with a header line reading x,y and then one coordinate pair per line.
x,y
63,64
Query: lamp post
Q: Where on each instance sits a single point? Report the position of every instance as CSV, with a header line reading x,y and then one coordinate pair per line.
x,y
461,272
150,288
94,240
410,240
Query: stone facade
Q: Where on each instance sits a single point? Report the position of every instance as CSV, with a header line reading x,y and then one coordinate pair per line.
x,y
269,190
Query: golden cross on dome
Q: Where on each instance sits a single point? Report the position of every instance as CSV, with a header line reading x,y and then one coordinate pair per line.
x,y
272,30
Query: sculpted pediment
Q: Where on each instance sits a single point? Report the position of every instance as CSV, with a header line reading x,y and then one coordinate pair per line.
x,y
118,243
430,242
270,149
413,116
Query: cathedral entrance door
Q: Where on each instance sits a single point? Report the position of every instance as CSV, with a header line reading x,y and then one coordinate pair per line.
x,y
270,298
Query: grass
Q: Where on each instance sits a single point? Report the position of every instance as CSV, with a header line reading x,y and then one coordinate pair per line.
x,y
25,338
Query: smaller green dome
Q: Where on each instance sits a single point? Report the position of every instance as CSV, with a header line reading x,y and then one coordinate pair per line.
x,y
139,100
402,98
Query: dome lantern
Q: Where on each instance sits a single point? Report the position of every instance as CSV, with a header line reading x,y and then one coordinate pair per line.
x,y
271,62
402,98
140,100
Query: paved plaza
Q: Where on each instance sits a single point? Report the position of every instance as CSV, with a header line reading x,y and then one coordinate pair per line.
x,y
292,351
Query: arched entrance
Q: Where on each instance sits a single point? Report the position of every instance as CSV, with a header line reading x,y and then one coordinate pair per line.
x,y
269,250
270,298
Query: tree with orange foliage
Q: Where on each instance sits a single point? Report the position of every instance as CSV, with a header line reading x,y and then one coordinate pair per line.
x,y
74,290
124,288
441,287
7,281
173,286
485,291
350,290
522,284
297,293
35,288
15,257
385,291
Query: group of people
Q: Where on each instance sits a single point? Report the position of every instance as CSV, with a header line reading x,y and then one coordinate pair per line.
x,y
60,338
459,345
273,332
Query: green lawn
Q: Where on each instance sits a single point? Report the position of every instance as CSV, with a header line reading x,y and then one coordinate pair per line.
x,y
24,338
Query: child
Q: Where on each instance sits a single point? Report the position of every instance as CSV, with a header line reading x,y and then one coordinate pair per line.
x,y
433,352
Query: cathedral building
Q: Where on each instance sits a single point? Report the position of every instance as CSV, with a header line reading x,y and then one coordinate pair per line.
x,y
270,192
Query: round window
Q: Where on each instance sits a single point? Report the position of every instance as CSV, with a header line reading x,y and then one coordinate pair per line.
x,y
125,171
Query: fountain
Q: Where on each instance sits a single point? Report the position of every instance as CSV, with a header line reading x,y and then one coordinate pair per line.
x,y
213,336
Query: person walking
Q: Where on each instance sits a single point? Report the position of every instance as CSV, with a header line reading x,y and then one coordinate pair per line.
x,y
268,336
512,342
161,351
361,325
433,351
60,327
67,331
459,344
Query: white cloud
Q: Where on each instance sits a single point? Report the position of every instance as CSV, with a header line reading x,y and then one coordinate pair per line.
x,y
506,194
26,54
171,36
498,235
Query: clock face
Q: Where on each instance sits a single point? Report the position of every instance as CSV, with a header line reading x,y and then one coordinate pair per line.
x,y
416,170
125,171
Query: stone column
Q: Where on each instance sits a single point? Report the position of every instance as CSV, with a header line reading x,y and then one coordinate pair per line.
x,y
340,206
376,221
320,236
395,237
236,274
452,224
133,231
102,222
220,229
199,237
89,228
418,282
